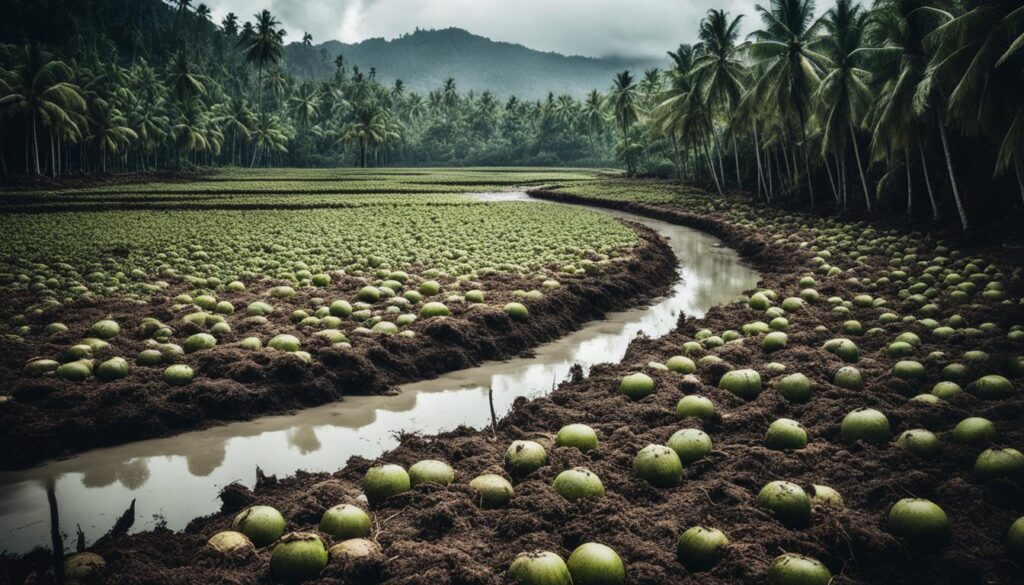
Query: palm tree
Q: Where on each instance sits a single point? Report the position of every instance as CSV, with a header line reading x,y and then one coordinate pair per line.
x,y
307,39
899,61
622,100
40,91
367,128
184,82
790,68
592,117
843,99
236,118
718,71
974,63
108,130
262,48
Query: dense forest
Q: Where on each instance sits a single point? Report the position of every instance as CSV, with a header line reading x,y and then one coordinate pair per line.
x,y
903,105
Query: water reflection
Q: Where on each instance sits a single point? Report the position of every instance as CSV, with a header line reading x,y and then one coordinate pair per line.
x,y
177,478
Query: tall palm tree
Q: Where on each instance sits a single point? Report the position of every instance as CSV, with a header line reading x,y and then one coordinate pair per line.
x,y
367,129
592,116
790,67
843,99
623,103
39,89
263,48
108,130
719,71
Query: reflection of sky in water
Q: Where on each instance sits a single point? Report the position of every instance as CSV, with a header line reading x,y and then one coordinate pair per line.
x,y
177,478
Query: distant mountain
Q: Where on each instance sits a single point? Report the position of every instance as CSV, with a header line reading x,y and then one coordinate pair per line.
x,y
423,60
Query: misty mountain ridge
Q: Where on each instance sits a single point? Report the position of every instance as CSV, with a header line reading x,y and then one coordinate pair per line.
x,y
424,59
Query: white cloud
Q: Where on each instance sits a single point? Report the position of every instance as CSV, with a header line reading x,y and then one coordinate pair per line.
x,y
583,27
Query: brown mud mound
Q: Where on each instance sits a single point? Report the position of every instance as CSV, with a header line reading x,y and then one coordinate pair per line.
x,y
441,536
46,417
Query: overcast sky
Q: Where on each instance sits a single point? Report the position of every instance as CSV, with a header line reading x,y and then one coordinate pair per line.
x,y
573,27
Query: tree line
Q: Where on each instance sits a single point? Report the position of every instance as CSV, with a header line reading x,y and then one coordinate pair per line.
x,y
903,105
180,92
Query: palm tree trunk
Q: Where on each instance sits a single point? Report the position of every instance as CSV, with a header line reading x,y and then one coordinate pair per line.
x,y
711,164
952,175
760,171
910,186
807,159
1020,179
831,181
35,143
718,148
736,156
860,166
675,152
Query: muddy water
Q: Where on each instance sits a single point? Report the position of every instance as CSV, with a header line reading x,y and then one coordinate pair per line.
x,y
178,478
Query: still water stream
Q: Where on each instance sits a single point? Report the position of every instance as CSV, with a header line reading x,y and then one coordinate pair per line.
x,y
176,479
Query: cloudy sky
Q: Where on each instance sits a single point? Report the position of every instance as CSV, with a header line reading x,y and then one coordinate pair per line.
x,y
575,27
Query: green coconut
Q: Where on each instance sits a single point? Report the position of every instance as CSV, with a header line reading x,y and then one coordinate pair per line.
x,y
229,542
298,557
787,502
77,371
690,445
539,568
865,424
700,548
263,525
743,383
284,342
368,294
946,390
659,465
105,329
577,435
774,341
1015,539
991,387
578,483
974,430
516,312
794,387
431,471
178,375
822,495
920,442
596,564
494,491
474,296
848,377
383,481
112,369
384,328
341,309
844,349
681,364
909,370
353,548
199,342
346,521
429,288
785,434
695,406
999,463
636,386
37,368
434,309
920,522
524,457
794,569
83,567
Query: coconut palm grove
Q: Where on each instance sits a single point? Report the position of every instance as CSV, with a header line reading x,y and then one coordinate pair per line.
x,y
441,308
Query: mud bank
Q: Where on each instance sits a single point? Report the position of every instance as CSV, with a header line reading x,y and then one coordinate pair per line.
x,y
47,418
441,536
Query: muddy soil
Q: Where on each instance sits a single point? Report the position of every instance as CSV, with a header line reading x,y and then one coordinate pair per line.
x,y
46,417
441,536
